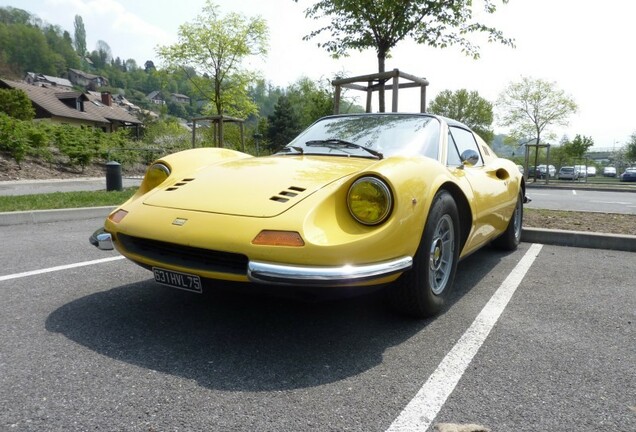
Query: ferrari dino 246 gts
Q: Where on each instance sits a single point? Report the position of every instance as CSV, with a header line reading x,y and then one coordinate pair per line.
x,y
354,201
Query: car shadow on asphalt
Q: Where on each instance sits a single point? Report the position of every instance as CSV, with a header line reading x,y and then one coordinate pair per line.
x,y
240,342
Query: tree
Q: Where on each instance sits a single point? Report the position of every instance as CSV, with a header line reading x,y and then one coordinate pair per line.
x,y
215,46
310,101
532,107
15,103
11,15
102,55
466,107
578,146
63,55
381,24
630,148
80,36
283,124
25,48
130,65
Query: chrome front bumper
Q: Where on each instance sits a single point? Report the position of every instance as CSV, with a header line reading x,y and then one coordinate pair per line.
x,y
101,240
324,276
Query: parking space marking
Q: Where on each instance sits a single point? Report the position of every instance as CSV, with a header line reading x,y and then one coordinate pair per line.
x,y
573,192
611,202
424,407
58,268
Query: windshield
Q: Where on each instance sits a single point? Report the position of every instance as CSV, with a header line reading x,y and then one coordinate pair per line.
x,y
369,136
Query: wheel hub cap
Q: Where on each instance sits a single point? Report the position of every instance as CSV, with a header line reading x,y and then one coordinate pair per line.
x,y
436,254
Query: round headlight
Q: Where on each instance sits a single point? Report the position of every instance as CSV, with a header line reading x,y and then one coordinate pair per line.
x,y
156,174
369,200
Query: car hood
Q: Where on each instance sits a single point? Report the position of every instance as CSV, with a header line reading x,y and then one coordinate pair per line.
x,y
256,187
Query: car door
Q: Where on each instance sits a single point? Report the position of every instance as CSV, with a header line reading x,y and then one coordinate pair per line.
x,y
493,195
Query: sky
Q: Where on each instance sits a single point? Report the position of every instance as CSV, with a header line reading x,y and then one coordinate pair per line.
x,y
585,47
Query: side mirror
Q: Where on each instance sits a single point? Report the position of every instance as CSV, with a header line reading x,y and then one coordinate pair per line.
x,y
469,157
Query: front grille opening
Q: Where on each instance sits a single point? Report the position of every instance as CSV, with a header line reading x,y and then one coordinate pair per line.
x,y
185,256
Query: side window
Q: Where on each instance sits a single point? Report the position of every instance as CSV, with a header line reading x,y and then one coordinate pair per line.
x,y
452,154
465,141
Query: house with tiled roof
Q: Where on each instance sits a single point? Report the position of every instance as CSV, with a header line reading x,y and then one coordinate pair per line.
x,y
75,108
180,98
156,98
38,78
86,80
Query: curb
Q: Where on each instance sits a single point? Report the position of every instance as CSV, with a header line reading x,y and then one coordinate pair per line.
x,y
580,239
612,188
58,215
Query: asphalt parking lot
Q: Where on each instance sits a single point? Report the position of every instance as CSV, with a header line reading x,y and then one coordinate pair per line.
x,y
90,342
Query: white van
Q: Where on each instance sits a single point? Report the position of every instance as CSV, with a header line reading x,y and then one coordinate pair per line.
x,y
609,172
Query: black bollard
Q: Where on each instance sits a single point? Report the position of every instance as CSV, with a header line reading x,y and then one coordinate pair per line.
x,y
113,176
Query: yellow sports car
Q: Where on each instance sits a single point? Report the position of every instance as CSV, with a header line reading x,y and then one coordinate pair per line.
x,y
361,200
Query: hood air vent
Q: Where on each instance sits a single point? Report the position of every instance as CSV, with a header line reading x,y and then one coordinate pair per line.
x,y
176,186
287,194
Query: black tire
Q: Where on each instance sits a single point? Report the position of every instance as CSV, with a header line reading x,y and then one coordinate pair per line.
x,y
511,238
424,290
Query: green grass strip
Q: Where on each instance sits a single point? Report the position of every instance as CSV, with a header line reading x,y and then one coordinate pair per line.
x,y
58,200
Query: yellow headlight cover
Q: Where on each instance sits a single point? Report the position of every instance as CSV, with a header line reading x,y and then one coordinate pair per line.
x,y
156,174
369,200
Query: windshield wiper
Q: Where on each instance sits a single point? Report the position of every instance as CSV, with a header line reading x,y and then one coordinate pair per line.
x,y
339,144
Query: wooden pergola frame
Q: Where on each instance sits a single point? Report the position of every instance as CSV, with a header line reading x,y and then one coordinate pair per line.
x,y
375,82
537,147
217,122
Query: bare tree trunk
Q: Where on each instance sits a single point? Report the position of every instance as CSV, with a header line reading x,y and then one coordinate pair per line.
x,y
381,58
536,161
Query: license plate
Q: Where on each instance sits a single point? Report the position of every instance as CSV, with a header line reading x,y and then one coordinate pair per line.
x,y
179,280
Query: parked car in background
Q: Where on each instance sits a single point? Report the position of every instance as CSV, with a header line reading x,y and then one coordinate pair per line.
x,y
609,171
541,171
581,170
591,171
568,173
629,175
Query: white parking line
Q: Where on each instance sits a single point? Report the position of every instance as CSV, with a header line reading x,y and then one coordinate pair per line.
x,y
573,192
58,268
424,407
611,202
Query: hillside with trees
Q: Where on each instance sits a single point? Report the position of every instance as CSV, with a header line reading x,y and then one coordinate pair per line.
x,y
28,44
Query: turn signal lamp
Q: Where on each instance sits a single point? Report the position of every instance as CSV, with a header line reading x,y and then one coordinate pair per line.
x,y
117,216
278,238
369,201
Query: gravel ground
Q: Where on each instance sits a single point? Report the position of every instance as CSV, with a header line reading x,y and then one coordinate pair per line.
x,y
611,223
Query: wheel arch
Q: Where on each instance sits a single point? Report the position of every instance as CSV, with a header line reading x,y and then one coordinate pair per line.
x,y
463,208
